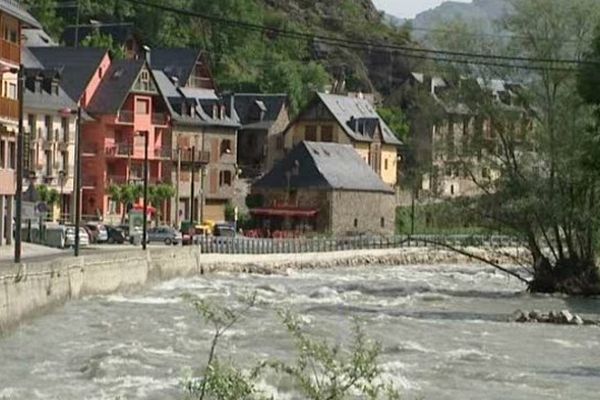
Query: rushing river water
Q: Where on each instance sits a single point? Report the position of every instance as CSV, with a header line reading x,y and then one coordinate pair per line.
x,y
443,330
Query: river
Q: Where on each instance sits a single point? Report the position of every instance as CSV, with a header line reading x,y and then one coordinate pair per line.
x,y
443,329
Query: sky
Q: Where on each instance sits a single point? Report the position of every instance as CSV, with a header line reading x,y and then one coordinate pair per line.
x,y
407,8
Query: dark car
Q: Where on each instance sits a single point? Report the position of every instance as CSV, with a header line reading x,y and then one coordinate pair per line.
x,y
115,235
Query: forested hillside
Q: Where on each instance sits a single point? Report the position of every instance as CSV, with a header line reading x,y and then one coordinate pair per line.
x,y
256,60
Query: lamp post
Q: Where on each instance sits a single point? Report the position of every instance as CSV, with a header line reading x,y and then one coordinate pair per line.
x,y
145,216
20,154
62,174
69,112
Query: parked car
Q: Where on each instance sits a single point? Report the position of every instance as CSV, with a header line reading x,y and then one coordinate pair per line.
x,y
99,232
115,235
164,234
84,239
91,234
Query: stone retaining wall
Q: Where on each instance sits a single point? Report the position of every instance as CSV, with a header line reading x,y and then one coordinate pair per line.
x,y
31,289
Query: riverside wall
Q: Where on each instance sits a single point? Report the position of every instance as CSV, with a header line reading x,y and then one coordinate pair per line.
x,y
31,289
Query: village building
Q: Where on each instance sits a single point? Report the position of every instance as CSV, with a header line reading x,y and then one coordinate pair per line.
x,y
203,164
50,131
13,18
453,139
346,120
324,188
263,117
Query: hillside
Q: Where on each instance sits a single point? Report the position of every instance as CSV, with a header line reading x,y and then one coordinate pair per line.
x,y
485,12
257,61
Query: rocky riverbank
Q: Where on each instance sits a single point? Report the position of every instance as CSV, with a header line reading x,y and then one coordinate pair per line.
x,y
563,317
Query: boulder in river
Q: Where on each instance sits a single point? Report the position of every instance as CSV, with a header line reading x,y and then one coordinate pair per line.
x,y
564,317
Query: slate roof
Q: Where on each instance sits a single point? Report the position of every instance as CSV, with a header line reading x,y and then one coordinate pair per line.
x,y
15,9
115,86
324,166
29,60
201,100
76,64
44,99
271,104
34,37
347,109
175,62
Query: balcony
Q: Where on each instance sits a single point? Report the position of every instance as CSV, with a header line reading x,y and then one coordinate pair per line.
x,y
89,181
10,52
119,150
163,153
131,179
63,146
185,156
88,149
9,108
125,117
48,144
159,119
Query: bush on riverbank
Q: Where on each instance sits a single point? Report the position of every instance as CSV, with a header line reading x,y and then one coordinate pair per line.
x,y
320,371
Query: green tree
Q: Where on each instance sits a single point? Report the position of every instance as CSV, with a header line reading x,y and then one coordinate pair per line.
x,y
158,195
125,195
543,192
102,41
45,11
396,120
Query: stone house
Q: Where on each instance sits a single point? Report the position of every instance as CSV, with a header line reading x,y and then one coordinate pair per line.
x,y
13,18
263,119
203,164
324,188
452,138
346,120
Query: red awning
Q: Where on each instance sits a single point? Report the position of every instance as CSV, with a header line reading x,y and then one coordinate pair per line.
x,y
140,207
284,212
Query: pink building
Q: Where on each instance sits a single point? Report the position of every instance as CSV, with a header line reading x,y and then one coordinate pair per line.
x,y
127,108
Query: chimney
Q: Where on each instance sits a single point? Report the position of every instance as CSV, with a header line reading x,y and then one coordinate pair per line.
x,y
147,55
175,81
232,106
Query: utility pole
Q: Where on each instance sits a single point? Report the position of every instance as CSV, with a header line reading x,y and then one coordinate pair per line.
x,y
202,177
20,154
193,187
78,181
77,25
177,194
145,217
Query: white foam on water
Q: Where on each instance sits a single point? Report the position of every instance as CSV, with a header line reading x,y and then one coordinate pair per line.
x,y
469,355
410,346
143,300
566,344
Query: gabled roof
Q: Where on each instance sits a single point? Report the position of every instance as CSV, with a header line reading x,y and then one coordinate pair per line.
x,y
175,62
115,86
347,109
270,104
76,64
45,99
15,9
324,166
196,99
34,37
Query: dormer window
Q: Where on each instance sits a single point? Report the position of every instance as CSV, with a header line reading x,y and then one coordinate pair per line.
x,y
215,111
222,112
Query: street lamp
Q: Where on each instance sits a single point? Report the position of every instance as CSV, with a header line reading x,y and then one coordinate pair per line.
x,y
19,191
145,216
65,112
62,174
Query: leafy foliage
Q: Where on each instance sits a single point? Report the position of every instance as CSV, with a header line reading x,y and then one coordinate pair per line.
x,y
99,40
321,371
396,120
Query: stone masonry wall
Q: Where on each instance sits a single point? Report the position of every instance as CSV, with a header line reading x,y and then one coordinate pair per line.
x,y
362,212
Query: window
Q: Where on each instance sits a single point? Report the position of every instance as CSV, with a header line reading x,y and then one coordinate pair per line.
x,y
310,133
452,190
356,222
12,155
12,91
142,107
485,173
145,76
382,222
48,122
2,154
225,178
327,133
48,163
385,164
226,146
100,72
65,128
31,121
65,162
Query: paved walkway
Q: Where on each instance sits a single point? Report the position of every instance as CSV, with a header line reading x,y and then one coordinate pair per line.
x,y
28,251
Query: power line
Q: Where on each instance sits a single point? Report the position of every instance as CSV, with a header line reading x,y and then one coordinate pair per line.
x,y
364,44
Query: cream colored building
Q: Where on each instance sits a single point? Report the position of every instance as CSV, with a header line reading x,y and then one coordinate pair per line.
x,y
51,131
346,120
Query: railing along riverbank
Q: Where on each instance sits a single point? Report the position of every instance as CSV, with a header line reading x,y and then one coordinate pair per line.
x,y
244,245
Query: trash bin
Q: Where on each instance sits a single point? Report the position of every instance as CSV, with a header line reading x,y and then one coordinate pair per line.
x,y
136,239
